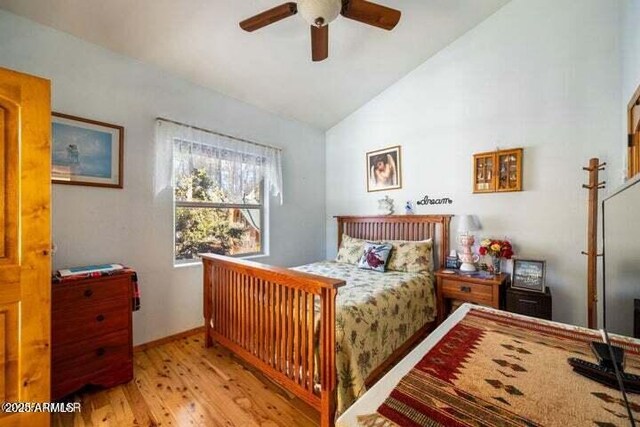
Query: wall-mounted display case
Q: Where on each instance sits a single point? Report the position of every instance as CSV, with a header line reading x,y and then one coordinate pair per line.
x,y
497,171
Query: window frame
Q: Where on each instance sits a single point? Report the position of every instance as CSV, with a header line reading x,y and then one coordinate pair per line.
x,y
633,135
261,207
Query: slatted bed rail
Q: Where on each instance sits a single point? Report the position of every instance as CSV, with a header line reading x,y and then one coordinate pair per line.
x,y
266,315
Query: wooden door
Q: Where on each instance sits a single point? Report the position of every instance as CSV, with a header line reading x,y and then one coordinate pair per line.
x,y
25,244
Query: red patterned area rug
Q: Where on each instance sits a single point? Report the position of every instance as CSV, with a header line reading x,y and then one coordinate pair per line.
x,y
496,369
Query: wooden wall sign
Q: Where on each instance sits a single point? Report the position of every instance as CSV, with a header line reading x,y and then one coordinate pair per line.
x,y
429,201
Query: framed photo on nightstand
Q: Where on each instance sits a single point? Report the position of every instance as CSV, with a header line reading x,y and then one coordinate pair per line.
x,y
452,262
528,275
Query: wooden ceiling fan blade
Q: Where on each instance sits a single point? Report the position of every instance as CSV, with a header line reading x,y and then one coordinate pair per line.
x,y
319,43
371,13
270,16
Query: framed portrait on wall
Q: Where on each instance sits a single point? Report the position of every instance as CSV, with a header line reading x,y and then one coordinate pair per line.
x,y
384,169
86,152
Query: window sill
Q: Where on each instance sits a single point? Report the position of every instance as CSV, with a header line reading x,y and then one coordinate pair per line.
x,y
198,263
253,257
194,263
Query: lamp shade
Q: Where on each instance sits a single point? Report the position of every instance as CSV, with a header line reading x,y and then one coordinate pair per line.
x,y
467,223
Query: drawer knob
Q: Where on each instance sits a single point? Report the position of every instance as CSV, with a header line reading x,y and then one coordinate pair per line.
x,y
88,293
100,352
465,289
100,317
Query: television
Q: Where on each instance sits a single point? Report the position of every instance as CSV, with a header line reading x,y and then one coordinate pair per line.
x,y
621,265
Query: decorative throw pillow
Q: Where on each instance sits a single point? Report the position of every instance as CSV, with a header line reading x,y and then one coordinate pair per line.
x,y
411,256
350,250
375,256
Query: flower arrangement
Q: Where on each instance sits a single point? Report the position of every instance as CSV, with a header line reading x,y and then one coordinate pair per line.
x,y
496,248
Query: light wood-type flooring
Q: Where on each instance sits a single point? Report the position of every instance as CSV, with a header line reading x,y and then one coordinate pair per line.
x,y
180,383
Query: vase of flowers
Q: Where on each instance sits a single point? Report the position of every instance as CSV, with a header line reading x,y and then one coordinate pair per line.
x,y
497,250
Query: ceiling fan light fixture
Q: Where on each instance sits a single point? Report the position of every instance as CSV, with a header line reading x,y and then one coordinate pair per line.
x,y
319,12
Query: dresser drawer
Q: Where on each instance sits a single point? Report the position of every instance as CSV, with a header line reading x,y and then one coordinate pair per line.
x,y
84,358
105,361
529,303
89,319
470,292
70,296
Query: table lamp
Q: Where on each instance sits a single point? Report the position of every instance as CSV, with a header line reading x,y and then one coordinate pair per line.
x,y
467,224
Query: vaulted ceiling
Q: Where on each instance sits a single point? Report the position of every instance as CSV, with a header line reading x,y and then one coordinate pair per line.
x,y
201,41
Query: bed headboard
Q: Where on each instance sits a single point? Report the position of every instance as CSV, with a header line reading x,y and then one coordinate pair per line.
x,y
400,227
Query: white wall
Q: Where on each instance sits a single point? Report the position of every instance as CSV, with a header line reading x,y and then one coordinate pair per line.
x,y
132,225
543,75
630,20
630,42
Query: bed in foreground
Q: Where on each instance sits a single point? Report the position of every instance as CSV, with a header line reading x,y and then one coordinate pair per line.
x,y
375,315
487,367
297,327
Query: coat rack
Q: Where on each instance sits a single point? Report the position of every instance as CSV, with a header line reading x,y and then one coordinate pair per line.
x,y
592,254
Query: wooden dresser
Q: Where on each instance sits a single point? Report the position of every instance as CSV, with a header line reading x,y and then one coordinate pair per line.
x,y
91,340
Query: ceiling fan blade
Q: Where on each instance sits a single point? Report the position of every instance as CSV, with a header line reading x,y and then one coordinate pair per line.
x,y
319,43
269,17
371,13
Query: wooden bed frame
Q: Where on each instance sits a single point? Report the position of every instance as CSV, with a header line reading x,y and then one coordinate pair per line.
x,y
265,314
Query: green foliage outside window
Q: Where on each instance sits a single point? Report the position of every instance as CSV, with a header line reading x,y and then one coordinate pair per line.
x,y
211,228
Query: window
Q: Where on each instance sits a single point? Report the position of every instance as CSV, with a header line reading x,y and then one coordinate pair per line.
x,y
220,185
208,221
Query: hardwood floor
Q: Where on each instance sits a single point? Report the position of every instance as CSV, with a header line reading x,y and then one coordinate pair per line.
x,y
180,383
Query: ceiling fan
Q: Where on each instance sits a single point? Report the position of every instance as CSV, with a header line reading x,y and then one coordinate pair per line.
x,y
319,13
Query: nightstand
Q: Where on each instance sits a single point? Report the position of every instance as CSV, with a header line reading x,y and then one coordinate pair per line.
x,y
529,303
486,291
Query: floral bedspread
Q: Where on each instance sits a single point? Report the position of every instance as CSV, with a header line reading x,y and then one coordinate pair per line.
x,y
375,314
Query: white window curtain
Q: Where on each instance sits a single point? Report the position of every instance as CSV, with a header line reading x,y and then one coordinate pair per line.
x,y
235,164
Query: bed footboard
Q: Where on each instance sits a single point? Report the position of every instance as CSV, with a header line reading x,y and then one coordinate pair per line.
x,y
266,316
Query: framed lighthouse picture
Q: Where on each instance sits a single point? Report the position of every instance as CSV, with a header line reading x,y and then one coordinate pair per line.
x,y
86,152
